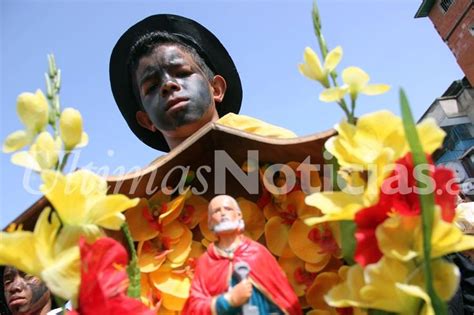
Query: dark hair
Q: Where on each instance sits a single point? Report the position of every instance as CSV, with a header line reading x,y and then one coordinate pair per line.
x,y
149,41
4,310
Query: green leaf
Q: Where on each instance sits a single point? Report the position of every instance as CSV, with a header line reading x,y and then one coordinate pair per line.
x,y
426,200
348,240
132,269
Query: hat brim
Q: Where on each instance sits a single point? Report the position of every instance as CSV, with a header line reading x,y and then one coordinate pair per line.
x,y
216,56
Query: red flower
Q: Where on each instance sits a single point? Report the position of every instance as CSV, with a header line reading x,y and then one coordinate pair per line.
x,y
367,249
399,193
401,188
104,281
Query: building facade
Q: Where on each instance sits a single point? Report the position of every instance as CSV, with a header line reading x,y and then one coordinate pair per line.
x,y
454,113
454,21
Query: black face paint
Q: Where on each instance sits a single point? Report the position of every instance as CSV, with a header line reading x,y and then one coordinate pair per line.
x,y
24,293
38,289
173,89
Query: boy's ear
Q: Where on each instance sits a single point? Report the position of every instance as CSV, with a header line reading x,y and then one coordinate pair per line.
x,y
219,86
144,120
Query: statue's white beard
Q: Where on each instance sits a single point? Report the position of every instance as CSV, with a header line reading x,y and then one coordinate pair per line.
x,y
227,225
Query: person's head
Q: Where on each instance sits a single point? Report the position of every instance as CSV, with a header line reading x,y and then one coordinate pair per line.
x,y
170,76
224,215
175,88
25,294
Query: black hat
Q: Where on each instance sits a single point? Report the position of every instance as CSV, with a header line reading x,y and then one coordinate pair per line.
x,y
191,33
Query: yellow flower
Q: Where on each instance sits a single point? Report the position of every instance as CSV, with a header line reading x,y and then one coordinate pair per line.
x,y
172,245
149,216
401,237
362,144
253,218
299,278
70,127
321,285
43,154
393,286
33,110
372,146
356,195
149,295
15,141
56,263
173,286
81,200
312,66
286,234
355,81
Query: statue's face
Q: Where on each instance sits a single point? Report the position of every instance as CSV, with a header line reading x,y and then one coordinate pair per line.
x,y
224,215
24,294
174,91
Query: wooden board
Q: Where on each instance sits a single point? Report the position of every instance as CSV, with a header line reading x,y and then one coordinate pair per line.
x,y
200,149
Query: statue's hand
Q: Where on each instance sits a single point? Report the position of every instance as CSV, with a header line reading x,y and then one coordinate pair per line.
x,y
240,293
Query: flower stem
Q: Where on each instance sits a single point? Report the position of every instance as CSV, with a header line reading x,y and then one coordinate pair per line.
x,y
132,268
64,161
343,105
53,85
321,41
426,201
60,302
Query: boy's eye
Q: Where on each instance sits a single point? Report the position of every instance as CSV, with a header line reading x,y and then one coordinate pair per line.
x,y
149,88
183,72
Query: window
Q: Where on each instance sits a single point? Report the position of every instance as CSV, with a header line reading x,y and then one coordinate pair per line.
x,y
445,5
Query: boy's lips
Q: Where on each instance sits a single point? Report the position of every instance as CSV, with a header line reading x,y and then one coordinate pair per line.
x,y
17,300
175,102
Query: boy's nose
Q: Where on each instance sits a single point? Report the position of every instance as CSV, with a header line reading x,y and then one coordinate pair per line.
x,y
168,87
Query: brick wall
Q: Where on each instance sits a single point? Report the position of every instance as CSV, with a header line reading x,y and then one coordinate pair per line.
x,y
453,27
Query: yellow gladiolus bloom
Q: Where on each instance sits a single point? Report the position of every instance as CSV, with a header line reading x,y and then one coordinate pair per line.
x,y
70,127
372,146
15,141
81,200
56,263
356,195
393,286
401,237
362,144
43,154
312,67
33,110
355,81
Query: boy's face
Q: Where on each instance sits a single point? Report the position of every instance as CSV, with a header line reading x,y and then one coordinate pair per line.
x,y
24,294
174,91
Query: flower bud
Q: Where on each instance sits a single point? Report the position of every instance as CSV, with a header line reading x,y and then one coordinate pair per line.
x,y
15,141
70,127
33,110
45,151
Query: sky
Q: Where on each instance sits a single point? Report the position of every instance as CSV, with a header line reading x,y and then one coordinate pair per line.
x,y
265,38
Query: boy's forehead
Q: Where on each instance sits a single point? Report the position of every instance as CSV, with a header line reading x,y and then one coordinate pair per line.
x,y
168,54
9,271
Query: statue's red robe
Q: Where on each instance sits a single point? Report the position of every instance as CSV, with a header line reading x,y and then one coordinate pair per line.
x,y
213,272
